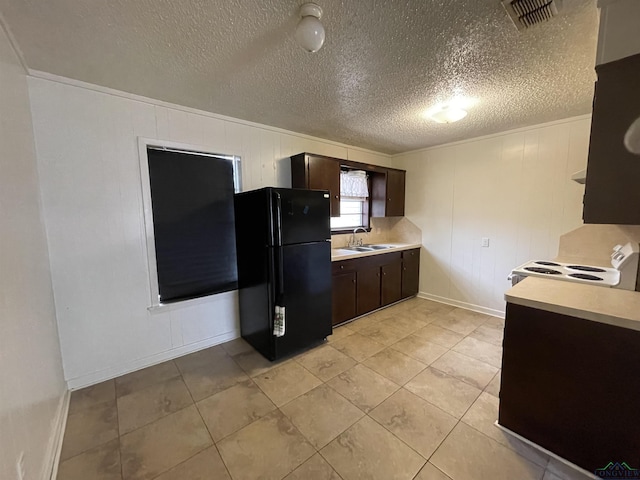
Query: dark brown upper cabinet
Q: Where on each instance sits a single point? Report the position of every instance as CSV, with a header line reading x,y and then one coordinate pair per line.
x,y
387,193
613,173
315,172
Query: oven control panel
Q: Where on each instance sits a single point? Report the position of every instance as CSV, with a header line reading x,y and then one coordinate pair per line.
x,y
623,254
625,259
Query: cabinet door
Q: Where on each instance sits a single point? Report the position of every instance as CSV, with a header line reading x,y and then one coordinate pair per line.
x,y
324,174
548,380
410,272
611,193
391,282
367,289
344,297
395,193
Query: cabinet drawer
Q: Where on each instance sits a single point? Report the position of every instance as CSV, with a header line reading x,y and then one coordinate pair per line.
x,y
344,266
353,264
408,254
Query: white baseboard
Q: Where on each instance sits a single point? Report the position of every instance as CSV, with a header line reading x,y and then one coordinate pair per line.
x,y
52,458
465,305
544,450
132,366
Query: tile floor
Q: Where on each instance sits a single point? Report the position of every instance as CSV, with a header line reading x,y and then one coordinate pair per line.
x,y
409,392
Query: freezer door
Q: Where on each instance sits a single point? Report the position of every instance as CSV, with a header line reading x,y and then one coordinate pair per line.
x,y
306,296
301,216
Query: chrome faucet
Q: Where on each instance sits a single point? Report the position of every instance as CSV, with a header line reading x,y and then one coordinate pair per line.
x,y
354,242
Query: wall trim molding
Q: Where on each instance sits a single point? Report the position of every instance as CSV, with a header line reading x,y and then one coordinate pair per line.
x,y
132,366
564,461
161,103
494,135
14,44
54,449
459,304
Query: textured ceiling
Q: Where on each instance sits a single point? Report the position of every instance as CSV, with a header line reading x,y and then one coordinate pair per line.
x,y
383,62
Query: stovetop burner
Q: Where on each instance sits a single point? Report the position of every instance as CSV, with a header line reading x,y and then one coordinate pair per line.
x,y
585,276
584,268
546,271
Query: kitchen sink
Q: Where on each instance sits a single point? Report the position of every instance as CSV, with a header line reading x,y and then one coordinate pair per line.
x,y
368,248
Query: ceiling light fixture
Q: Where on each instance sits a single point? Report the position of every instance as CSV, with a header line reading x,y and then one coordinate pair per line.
x,y
448,114
451,111
310,32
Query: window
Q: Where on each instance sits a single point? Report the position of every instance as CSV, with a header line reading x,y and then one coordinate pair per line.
x,y
354,201
352,214
189,215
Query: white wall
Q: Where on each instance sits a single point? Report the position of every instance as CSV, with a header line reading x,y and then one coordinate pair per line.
x,y
86,141
32,388
514,188
619,33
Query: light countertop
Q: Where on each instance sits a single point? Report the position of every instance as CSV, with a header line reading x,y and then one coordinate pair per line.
x,y
338,254
612,306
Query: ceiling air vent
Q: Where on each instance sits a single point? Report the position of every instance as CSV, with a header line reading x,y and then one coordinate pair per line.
x,y
527,13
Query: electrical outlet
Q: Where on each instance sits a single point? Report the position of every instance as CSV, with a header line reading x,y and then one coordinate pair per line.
x,y
485,241
20,472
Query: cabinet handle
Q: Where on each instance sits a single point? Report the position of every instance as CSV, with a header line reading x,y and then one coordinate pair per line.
x,y
384,273
354,280
341,267
389,199
378,274
405,269
336,196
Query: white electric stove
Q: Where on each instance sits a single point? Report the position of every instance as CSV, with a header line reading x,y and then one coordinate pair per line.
x,y
622,274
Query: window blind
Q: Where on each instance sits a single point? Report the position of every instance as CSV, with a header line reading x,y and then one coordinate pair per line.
x,y
193,221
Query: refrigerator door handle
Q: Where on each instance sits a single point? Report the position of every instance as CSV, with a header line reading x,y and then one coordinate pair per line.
x,y
280,279
279,253
278,219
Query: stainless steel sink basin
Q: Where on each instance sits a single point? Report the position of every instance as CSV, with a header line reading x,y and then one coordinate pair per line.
x,y
368,248
377,247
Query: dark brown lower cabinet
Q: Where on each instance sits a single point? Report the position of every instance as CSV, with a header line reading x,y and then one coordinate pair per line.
x,y
362,285
391,282
410,272
571,386
344,297
367,289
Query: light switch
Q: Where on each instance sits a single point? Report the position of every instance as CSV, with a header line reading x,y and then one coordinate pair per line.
x,y
485,241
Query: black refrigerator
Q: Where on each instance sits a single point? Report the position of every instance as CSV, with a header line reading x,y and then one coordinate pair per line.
x,y
283,239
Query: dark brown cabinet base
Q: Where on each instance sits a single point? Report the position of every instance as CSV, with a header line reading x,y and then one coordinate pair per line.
x,y
571,386
344,297
361,285
410,272
367,289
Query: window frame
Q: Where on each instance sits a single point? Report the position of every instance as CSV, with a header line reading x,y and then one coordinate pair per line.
x,y
152,266
366,213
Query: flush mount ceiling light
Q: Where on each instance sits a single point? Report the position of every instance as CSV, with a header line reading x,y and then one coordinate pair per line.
x,y
310,32
447,114
451,111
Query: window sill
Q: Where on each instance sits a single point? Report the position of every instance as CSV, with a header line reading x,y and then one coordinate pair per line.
x,y
344,231
190,302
